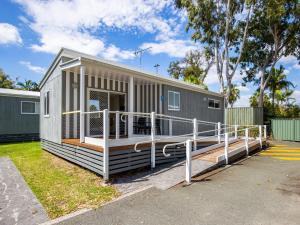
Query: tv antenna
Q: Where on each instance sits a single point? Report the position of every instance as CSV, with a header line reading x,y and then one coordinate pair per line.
x,y
140,53
156,67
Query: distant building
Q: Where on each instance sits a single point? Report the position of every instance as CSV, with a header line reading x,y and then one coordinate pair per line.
x,y
19,115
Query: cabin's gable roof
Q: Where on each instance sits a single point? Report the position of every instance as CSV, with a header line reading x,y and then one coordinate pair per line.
x,y
75,55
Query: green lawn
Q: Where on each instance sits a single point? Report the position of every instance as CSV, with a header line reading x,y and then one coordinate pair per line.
x,y
60,186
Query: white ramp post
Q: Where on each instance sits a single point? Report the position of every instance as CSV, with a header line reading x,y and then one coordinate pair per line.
x,y
131,106
265,132
235,131
260,135
117,125
170,127
105,144
219,132
195,133
82,103
226,148
188,164
247,140
153,140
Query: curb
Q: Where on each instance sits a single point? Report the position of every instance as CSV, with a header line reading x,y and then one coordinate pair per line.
x,y
82,211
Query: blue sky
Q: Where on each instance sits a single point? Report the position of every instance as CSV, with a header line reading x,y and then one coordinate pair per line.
x,y
32,32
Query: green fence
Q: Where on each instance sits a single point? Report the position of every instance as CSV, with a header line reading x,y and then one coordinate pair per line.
x,y
244,116
286,129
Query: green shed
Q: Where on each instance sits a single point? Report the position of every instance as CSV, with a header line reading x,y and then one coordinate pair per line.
x,y
19,115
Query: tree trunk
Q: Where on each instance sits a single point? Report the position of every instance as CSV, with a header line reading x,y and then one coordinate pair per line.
x,y
261,89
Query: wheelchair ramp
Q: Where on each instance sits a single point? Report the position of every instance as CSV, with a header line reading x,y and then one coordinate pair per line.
x,y
167,176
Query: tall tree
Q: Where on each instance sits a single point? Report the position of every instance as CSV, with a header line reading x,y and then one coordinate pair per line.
x,y
221,26
28,85
193,68
278,86
235,95
5,80
274,32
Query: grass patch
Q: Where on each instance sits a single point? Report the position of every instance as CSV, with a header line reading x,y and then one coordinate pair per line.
x,y
60,186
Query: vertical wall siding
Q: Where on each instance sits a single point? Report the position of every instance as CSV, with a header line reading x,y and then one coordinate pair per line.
x,y
50,127
244,116
286,129
11,119
106,84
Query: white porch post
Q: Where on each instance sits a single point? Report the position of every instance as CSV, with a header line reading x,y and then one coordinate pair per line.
x,y
131,106
117,125
153,140
82,103
105,145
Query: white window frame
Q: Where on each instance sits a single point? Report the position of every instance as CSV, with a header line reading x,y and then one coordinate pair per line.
x,y
46,106
36,108
211,99
172,107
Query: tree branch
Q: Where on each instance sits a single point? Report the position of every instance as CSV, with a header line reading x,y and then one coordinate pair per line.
x,y
243,41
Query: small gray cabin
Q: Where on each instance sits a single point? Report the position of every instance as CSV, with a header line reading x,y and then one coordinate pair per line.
x,y
94,113
19,115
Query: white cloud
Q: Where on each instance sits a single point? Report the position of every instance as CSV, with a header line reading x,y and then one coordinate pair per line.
x,y
174,48
243,88
296,66
9,34
36,69
296,95
287,60
78,24
243,101
212,76
114,53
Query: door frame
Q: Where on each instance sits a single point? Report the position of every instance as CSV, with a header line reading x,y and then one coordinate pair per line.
x,y
108,94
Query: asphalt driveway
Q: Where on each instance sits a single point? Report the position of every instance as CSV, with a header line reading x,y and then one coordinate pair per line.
x,y
260,190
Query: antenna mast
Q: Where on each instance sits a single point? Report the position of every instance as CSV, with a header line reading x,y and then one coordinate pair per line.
x,y
140,52
156,67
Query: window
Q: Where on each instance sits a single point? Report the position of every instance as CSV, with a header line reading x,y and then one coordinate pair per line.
x,y
173,100
214,104
30,107
46,103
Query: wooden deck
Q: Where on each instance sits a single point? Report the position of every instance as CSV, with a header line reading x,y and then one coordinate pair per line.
x,y
76,142
212,155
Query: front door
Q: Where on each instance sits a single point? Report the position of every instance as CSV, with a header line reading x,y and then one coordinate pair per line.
x,y
116,103
98,101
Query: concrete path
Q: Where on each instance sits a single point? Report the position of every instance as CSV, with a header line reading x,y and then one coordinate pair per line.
x,y
18,205
256,191
162,177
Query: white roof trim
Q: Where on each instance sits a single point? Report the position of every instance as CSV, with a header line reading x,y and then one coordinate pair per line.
x,y
19,93
79,57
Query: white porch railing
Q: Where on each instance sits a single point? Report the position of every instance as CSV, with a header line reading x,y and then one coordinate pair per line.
x,y
105,128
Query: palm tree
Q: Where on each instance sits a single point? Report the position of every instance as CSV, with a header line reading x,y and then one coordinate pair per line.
x,y
279,86
234,95
28,85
